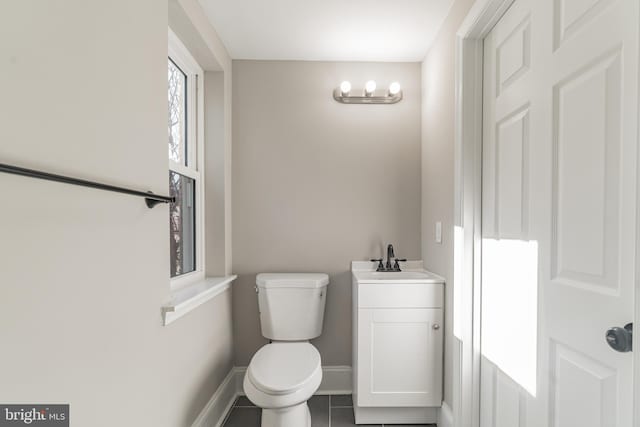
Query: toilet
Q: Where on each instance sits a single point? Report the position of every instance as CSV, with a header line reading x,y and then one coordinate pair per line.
x,y
285,373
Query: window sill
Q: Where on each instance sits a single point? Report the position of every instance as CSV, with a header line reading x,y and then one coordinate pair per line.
x,y
188,298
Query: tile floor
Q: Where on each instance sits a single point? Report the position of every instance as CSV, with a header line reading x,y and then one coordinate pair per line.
x,y
326,411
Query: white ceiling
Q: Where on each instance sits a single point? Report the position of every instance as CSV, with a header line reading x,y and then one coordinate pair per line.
x,y
327,30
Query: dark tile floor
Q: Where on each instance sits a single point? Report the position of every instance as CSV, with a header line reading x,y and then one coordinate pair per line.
x,y
326,411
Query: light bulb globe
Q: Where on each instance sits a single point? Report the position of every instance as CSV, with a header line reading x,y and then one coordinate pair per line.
x,y
345,87
394,88
370,87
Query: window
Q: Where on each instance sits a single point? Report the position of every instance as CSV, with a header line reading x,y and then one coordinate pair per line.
x,y
185,164
182,224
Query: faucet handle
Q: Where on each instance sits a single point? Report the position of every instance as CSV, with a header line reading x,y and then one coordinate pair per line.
x,y
380,265
396,266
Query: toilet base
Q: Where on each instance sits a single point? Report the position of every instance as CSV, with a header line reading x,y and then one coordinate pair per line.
x,y
293,416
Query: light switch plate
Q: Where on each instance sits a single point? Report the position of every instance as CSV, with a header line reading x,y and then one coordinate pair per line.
x,y
438,232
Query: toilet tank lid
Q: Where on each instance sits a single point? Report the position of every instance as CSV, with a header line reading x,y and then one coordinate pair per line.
x,y
292,280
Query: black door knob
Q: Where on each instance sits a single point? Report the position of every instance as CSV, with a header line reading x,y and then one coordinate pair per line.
x,y
620,339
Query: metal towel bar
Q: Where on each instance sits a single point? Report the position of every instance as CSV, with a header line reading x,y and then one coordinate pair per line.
x,y
150,199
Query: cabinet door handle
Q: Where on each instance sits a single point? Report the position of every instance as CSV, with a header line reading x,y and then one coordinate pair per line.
x,y
436,326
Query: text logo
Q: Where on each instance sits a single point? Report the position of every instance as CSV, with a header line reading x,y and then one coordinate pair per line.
x,y
34,415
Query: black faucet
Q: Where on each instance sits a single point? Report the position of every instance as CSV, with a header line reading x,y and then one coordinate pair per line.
x,y
388,266
390,254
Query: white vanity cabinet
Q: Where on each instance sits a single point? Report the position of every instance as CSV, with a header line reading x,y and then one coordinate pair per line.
x,y
397,345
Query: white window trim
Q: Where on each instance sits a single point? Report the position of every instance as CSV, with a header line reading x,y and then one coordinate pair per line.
x,y
181,56
190,290
187,299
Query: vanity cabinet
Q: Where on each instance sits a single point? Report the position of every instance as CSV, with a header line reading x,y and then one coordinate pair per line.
x,y
397,348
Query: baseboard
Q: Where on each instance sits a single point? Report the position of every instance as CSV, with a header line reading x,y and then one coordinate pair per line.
x,y
390,416
445,416
335,380
239,372
215,411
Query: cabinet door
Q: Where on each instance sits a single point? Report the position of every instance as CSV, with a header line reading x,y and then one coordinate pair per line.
x,y
399,357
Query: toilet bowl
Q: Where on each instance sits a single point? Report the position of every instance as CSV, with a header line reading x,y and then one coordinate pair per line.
x,y
281,377
284,374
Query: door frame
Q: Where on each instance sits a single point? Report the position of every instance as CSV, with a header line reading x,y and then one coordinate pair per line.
x,y
482,17
636,319
480,20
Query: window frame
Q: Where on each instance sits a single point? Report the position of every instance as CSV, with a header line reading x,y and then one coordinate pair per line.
x,y
182,58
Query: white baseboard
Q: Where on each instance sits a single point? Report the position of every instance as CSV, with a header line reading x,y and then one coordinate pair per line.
x,y
389,416
335,380
220,404
445,417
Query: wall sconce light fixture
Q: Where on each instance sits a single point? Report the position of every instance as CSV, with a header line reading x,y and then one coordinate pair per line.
x,y
343,94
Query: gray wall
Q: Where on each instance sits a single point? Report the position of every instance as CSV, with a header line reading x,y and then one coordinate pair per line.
x,y
317,184
438,114
83,273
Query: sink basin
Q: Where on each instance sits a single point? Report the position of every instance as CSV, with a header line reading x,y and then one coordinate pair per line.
x,y
396,277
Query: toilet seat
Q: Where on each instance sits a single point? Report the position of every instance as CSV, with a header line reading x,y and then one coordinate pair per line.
x,y
283,374
284,367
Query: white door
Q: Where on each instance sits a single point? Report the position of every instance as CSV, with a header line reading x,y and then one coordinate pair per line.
x,y
559,213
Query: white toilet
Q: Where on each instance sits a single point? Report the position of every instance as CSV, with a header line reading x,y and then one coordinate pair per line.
x,y
284,374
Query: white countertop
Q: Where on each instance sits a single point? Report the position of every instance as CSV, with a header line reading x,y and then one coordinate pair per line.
x,y
411,272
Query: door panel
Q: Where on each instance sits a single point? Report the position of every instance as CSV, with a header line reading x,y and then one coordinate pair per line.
x,y
512,161
559,194
510,411
584,391
513,56
587,176
571,15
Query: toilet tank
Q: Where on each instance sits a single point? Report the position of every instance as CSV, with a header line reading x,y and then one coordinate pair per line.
x,y
291,305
